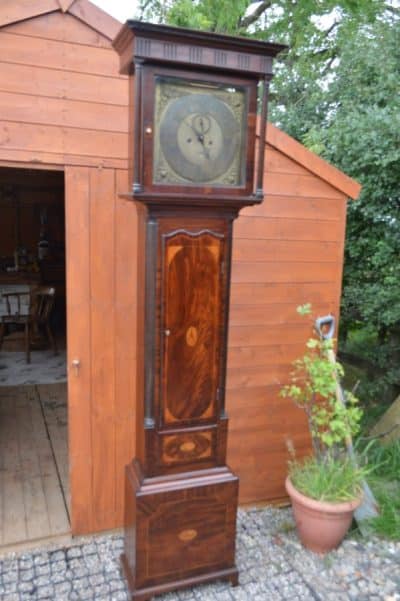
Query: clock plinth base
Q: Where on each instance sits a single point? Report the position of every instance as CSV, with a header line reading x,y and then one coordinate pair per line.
x,y
179,531
145,594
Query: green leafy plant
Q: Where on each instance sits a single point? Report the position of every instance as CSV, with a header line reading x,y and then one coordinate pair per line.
x,y
330,474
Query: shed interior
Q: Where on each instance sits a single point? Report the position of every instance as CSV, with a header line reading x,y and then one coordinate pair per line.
x,y
33,424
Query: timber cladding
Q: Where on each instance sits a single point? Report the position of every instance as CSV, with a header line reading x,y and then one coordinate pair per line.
x,y
64,106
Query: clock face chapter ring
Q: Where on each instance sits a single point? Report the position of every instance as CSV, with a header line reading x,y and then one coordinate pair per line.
x,y
199,133
199,137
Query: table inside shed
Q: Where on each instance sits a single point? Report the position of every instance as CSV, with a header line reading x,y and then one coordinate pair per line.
x,y
20,283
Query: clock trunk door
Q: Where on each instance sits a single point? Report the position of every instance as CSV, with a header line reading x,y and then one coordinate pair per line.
x,y
192,325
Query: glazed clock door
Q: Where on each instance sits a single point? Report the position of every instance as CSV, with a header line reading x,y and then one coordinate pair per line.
x,y
192,319
199,131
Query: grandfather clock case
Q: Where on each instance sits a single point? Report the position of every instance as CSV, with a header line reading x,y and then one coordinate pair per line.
x,y
193,114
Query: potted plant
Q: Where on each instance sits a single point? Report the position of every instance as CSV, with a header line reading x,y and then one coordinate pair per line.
x,y
325,488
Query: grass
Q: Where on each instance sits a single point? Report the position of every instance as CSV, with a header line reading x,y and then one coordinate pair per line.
x,y
332,479
376,395
385,484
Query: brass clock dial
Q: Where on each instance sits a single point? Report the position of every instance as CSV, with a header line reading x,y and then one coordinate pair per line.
x,y
199,133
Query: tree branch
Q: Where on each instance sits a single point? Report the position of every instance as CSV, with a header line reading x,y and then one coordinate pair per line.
x,y
334,50
246,21
395,10
331,28
328,65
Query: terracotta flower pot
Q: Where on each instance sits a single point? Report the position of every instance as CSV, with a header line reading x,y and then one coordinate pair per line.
x,y
321,525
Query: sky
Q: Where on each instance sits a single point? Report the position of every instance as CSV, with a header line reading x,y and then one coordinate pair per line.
x,y
120,9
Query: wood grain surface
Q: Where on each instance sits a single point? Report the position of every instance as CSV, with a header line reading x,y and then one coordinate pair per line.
x,y
61,97
179,530
192,311
65,106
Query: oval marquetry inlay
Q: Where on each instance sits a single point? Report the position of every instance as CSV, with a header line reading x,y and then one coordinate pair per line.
x,y
191,336
186,447
187,535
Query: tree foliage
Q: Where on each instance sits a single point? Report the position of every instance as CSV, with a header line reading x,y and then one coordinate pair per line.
x,y
336,90
360,133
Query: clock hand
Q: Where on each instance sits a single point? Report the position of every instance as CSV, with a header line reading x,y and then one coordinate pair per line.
x,y
206,152
201,124
200,136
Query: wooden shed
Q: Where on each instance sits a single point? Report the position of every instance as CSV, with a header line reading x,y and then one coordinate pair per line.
x,y
64,124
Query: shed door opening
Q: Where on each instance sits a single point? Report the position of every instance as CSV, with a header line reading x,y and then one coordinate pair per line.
x,y
33,381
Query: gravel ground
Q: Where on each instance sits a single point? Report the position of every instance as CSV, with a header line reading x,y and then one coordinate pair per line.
x,y
272,564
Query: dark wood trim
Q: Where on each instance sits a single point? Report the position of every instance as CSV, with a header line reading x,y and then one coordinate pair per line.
x,y
177,201
224,333
261,147
138,143
190,478
205,37
201,49
150,328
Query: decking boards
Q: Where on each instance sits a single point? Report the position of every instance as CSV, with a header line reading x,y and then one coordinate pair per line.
x,y
31,499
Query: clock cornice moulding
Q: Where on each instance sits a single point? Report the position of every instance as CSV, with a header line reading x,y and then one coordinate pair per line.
x,y
140,41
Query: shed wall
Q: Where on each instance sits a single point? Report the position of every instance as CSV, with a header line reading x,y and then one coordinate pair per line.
x,y
286,251
64,105
62,100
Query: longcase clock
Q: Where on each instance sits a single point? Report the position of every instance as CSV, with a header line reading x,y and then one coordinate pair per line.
x,y
193,110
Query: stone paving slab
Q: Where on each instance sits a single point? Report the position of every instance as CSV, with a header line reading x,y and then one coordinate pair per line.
x,y
273,567
45,368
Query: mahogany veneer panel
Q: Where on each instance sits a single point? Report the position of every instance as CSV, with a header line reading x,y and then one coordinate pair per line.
x,y
179,529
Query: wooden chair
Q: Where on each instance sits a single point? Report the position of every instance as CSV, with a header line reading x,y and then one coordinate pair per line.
x,y
38,316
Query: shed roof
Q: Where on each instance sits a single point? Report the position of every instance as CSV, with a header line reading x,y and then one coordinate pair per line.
x,y
12,12
321,168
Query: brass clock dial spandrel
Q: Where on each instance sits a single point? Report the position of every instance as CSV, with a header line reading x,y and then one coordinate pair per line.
x,y
199,133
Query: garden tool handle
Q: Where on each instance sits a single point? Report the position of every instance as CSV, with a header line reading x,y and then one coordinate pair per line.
x,y
329,322
369,506
326,321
